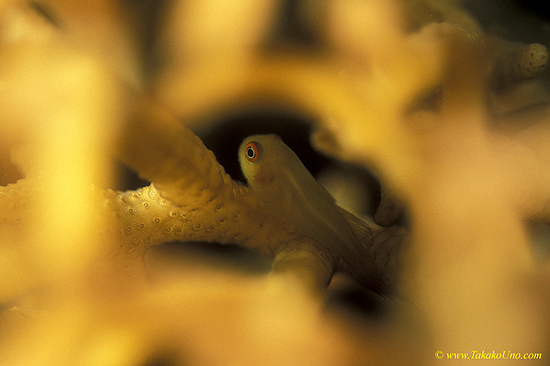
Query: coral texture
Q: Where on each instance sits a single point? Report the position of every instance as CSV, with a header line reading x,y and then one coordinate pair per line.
x,y
453,120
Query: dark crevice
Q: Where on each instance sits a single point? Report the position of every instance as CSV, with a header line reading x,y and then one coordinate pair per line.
x,y
45,12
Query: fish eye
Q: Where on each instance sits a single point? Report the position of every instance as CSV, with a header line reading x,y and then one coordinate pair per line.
x,y
252,151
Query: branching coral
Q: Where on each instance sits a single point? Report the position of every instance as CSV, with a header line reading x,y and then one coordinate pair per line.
x,y
193,199
452,120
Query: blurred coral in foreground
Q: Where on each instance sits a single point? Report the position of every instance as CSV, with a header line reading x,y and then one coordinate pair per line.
x,y
451,118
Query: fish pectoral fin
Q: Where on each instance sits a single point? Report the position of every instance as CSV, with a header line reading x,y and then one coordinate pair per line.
x,y
360,228
362,265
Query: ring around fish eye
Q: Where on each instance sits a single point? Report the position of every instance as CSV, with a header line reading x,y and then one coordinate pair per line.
x,y
252,151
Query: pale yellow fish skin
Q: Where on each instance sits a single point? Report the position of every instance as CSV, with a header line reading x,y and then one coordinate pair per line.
x,y
290,192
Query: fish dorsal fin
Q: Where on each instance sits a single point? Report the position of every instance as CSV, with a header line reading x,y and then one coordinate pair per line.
x,y
360,228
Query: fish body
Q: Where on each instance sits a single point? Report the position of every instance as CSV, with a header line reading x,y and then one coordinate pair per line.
x,y
291,193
